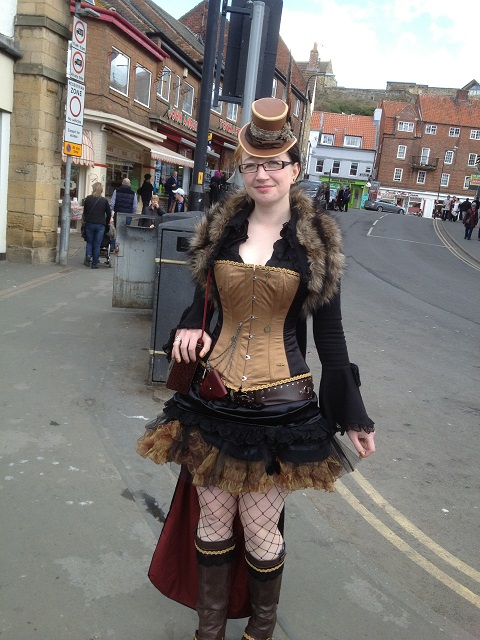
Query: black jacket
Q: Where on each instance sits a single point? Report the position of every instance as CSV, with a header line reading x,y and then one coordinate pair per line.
x,y
96,210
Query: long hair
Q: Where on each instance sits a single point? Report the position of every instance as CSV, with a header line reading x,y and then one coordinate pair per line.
x,y
97,189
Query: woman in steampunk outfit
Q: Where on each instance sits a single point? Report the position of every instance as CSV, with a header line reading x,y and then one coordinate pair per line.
x,y
274,260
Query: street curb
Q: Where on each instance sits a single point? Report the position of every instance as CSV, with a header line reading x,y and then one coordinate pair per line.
x,y
460,248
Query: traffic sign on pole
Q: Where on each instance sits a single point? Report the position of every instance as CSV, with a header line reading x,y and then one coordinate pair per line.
x,y
79,34
77,64
75,102
70,149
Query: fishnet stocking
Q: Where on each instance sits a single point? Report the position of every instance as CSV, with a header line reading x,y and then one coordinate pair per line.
x,y
259,514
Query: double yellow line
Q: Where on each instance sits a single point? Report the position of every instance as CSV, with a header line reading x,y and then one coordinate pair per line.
x,y
416,533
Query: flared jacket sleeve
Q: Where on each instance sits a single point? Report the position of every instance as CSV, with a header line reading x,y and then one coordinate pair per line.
x,y
340,399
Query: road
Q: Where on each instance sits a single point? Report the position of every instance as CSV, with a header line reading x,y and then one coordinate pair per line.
x,y
392,554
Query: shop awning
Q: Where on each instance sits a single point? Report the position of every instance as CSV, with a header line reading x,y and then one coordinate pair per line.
x,y
157,151
87,157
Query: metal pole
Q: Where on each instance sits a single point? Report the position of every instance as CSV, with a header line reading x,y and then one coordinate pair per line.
x,y
251,74
197,188
65,217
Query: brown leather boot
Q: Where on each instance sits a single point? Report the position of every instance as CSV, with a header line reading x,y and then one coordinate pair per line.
x,y
264,582
214,576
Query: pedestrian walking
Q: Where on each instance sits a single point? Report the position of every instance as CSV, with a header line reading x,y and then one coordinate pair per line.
x,y
96,215
250,429
146,191
215,187
124,200
170,184
470,221
347,194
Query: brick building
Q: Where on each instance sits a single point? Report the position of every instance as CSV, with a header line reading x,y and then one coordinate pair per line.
x,y
342,152
429,149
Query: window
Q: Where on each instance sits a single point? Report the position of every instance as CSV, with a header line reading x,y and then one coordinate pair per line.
x,y
454,132
425,155
217,109
319,166
445,179
466,182
143,78
421,175
401,151
336,166
188,93
274,88
397,175
119,71
353,168
232,111
296,109
475,134
473,158
327,138
448,157
176,88
163,87
352,141
431,129
368,170
405,126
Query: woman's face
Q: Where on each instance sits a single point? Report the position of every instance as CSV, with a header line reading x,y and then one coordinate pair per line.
x,y
269,187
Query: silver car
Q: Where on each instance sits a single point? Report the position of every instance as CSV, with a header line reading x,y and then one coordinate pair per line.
x,y
384,204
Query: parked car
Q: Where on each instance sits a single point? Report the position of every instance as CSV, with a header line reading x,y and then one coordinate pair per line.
x,y
384,204
309,186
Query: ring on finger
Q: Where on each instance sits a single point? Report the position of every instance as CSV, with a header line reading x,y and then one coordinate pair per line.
x,y
178,339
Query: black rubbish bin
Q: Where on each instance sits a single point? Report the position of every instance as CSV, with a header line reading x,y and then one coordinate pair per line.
x,y
174,287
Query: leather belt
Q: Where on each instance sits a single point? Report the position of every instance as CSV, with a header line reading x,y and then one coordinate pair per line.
x,y
294,391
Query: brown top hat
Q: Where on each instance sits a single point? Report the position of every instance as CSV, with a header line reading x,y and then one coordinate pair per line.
x,y
268,134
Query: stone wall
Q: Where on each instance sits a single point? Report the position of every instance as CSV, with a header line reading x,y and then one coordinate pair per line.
x,y
42,31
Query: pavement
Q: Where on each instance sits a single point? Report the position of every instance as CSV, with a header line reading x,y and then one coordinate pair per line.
x,y
456,234
81,511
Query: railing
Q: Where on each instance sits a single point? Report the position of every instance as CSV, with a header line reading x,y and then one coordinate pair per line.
x,y
422,162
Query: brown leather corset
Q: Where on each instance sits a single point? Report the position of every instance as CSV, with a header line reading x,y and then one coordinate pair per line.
x,y
250,350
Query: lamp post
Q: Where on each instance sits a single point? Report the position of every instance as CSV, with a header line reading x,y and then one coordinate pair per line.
x,y
443,166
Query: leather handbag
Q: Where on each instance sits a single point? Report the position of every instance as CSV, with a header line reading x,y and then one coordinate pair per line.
x,y
180,374
212,387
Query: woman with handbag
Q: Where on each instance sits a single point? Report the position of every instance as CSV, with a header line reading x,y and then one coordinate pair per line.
x,y
96,213
250,429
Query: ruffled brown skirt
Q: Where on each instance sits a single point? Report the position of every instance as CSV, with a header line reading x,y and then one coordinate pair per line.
x,y
209,467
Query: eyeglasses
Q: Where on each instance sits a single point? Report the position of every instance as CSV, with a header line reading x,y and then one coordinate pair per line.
x,y
271,165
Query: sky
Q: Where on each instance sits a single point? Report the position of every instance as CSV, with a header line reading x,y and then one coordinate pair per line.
x,y
370,42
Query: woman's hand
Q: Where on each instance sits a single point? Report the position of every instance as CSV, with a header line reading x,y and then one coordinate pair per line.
x,y
185,344
363,442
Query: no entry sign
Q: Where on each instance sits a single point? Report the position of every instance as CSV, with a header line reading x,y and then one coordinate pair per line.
x,y
79,34
77,64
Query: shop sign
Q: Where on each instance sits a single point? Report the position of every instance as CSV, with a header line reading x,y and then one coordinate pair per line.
x,y
181,118
228,127
124,154
475,180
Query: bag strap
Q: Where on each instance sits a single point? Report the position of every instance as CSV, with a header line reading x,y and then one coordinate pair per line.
x,y
205,306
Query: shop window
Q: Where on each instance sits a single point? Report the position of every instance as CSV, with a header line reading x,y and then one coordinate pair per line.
x,y
336,166
163,87
473,158
445,179
352,141
143,78
188,93
401,151
421,176
397,175
232,111
454,132
353,168
431,129
119,71
327,138
319,166
405,126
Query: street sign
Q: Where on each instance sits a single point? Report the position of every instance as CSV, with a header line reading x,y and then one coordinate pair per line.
x,y
79,34
70,149
75,102
73,133
475,180
77,64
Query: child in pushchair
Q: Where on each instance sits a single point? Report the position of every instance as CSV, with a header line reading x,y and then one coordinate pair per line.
x,y
108,244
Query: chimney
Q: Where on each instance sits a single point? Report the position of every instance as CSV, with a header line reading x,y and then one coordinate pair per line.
x,y
462,94
313,60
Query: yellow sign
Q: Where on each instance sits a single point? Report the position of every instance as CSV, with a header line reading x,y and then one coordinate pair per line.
x,y
210,136
200,177
475,180
72,149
